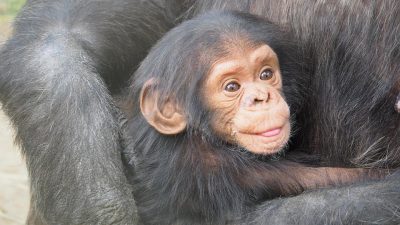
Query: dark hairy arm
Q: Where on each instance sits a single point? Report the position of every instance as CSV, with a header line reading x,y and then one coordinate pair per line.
x,y
288,178
369,203
56,75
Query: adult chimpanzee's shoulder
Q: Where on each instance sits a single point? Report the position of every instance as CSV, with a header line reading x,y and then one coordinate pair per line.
x,y
57,71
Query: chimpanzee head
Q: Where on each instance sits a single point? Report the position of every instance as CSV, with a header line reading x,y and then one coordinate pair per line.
x,y
218,75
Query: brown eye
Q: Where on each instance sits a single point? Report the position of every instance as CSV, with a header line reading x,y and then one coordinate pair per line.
x,y
266,74
232,86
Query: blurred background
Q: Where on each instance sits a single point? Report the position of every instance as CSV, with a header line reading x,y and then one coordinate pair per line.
x,y
14,185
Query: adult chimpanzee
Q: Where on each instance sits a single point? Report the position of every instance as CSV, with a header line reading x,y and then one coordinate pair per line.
x,y
210,93
66,56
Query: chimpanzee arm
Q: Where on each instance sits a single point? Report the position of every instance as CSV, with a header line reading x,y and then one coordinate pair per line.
x,y
372,203
52,73
294,178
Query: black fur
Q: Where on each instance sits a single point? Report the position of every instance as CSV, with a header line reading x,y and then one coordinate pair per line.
x,y
66,56
195,177
353,49
56,75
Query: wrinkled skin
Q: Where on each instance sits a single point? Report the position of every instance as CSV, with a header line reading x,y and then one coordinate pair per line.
x,y
244,92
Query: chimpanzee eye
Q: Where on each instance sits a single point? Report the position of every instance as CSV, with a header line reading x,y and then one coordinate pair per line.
x,y
232,86
266,74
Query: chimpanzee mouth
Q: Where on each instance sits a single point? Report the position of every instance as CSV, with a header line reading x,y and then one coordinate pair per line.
x,y
271,132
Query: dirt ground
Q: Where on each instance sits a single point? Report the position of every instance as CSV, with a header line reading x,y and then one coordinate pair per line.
x,y
14,185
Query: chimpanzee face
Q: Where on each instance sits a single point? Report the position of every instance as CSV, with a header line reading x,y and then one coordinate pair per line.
x,y
243,90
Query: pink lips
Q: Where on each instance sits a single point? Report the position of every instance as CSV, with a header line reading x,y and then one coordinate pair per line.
x,y
271,133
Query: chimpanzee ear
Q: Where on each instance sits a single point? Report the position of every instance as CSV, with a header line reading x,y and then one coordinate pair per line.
x,y
168,118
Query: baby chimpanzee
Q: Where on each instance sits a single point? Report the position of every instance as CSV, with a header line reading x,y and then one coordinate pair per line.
x,y
206,103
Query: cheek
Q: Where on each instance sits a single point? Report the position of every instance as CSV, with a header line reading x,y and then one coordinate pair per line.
x,y
285,111
223,113
222,123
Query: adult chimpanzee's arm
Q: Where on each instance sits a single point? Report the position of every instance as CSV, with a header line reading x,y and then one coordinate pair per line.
x,y
373,203
51,86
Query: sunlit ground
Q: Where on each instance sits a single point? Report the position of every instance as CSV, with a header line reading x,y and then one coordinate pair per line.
x,y
14,190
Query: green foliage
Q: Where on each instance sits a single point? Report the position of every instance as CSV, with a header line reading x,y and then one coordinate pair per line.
x,y
9,8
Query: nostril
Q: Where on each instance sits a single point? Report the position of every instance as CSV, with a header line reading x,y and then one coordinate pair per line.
x,y
264,98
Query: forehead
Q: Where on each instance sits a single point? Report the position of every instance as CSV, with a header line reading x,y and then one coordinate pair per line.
x,y
263,52
238,43
239,56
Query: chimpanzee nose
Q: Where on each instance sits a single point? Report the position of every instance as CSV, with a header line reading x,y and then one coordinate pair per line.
x,y
258,98
261,98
